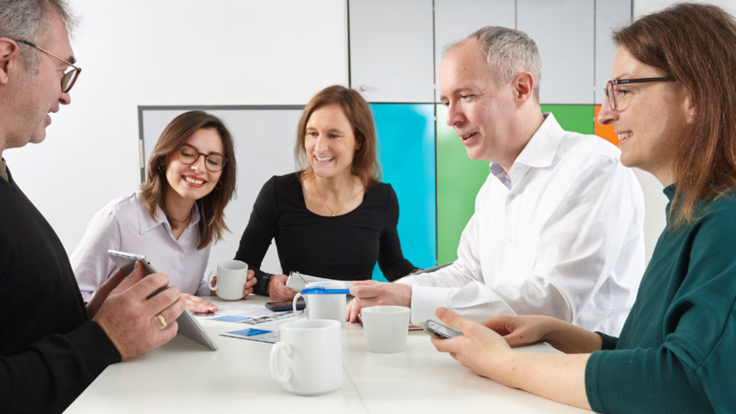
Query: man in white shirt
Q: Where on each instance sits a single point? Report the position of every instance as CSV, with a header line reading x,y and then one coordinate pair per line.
x,y
557,228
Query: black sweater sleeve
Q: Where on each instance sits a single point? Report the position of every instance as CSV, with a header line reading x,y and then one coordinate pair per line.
x,y
49,374
260,231
390,257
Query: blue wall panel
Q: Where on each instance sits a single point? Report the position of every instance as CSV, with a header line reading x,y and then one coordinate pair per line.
x,y
406,147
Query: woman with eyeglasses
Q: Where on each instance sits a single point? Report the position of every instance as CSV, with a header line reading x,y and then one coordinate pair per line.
x,y
333,218
175,217
672,103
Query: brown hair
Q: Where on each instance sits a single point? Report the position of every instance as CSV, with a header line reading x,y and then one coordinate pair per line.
x,y
212,206
703,60
356,109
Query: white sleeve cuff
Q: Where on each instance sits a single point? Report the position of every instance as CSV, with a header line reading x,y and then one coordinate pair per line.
x,y
424,300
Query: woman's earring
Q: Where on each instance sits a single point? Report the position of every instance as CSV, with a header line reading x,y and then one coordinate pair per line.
x,y
218,186
161,169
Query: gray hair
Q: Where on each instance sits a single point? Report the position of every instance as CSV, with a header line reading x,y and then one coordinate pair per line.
x,y
508,52
26,20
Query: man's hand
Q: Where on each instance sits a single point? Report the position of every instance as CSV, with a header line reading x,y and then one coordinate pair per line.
x,y
130,320
479,349
104,291
277,289
371,293
197,304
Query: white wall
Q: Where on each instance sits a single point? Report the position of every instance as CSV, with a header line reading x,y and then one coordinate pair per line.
x,y
169,52
179,52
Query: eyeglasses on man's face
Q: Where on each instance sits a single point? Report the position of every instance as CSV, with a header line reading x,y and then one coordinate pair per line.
x,y
612,93
188,155
70,75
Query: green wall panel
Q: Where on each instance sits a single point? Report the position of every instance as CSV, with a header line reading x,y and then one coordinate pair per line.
x,y
577,118
458,180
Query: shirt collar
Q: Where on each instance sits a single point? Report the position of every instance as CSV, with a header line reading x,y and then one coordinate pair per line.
x,y
148,223
539,152
541,149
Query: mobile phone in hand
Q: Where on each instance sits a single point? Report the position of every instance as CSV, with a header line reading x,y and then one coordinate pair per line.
x,y
440,331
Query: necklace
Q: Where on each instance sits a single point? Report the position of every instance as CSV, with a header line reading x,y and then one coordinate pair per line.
x,y
334,213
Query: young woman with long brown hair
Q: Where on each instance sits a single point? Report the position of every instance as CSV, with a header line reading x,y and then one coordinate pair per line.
x,y
672,101
176,216
333,218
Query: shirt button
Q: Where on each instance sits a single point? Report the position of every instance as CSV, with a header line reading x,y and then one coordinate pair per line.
x,y
511,239
512,196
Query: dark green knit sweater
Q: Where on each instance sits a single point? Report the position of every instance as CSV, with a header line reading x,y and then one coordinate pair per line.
x,y
677,349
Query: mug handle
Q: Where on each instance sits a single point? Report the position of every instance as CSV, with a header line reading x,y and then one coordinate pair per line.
x,y
293,307
209,280
274,361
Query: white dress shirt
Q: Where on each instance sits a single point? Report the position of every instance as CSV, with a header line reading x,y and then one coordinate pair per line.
x,y
560,235
124,224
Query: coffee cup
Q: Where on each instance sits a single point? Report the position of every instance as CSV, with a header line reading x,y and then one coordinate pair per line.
x,y
231,277
385,328
324,306
308,358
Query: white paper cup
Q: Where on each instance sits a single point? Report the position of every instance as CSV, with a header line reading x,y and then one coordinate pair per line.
x,y
385,328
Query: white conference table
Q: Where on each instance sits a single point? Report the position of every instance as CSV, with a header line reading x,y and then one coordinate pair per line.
x,y
185,377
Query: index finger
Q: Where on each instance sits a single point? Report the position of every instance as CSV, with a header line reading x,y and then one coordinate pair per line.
x,y
148,286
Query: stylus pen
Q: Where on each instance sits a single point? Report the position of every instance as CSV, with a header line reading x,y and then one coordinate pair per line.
x,y
319,290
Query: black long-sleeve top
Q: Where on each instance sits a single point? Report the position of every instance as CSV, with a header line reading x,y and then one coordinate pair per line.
x,y
345,247
49,350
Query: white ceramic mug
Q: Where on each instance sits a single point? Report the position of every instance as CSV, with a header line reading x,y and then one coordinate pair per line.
x,y
231,277
308,359
324,306
385,328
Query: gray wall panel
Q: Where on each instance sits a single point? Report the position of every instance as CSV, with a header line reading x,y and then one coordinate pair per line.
x,y
609,15
456,19
563,31
391,50
264,143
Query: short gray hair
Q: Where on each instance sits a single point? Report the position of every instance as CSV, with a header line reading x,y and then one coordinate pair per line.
x,y
26,19
508,52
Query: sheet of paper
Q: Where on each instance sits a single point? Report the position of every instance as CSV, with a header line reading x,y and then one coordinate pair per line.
x,y
298,281
240,312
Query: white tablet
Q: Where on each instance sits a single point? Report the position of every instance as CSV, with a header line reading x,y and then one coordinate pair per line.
x,y
188,325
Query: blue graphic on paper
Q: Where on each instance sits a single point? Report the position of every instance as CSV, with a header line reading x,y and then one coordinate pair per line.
x,y
250,332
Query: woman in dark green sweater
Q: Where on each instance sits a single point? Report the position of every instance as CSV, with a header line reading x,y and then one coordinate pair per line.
x,y
677,350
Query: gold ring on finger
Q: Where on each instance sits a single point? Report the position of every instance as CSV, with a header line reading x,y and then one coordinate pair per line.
x,y
162,320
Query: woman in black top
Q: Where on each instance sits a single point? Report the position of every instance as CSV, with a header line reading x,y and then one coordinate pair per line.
x,y
332,218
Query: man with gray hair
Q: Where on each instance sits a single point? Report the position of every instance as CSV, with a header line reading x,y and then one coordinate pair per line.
x,y
557,228
52,344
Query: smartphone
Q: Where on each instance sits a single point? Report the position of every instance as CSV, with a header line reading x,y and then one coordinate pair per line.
x,y
284,306
126,262
440,331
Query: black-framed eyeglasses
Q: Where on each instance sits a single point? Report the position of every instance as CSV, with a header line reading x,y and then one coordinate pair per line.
x,y
70,76
188,155
611,87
